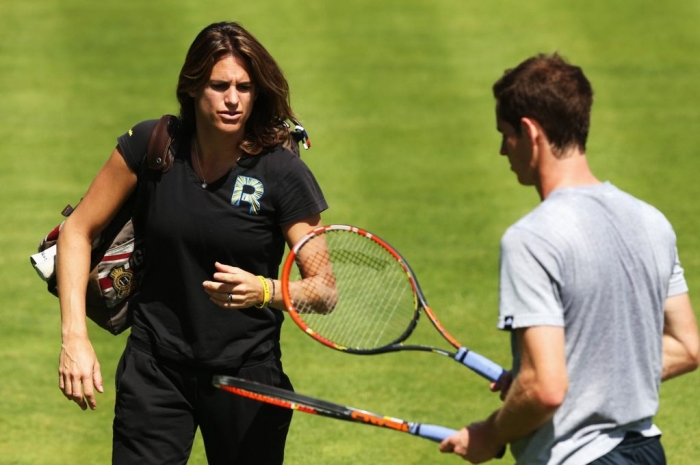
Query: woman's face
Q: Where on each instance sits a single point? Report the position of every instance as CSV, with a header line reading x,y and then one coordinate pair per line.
x,y
225,101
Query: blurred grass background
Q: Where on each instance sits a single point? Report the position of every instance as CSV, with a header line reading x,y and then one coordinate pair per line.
x,y
396,97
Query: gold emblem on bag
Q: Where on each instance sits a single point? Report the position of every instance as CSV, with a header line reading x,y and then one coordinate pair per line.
x,y
122,281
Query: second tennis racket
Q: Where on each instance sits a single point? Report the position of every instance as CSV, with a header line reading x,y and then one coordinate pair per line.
x,y
350,290
292,400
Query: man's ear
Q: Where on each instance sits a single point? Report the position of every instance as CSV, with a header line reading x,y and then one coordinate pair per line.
x,y
531,129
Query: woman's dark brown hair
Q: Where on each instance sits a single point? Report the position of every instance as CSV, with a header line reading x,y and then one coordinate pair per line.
x,y
271,109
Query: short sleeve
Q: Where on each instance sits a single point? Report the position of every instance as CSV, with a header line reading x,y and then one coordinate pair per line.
x,y
300,195
677,284
133,145
528,294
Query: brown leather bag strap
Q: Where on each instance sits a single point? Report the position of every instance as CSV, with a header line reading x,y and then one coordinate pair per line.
x,y
161,149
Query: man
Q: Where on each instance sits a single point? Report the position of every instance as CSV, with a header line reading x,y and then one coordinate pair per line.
x,y
591,289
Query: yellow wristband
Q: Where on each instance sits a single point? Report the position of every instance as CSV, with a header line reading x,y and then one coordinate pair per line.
x,y
266,293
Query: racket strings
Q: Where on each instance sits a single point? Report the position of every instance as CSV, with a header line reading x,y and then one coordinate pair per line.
x,y
383,311
376,302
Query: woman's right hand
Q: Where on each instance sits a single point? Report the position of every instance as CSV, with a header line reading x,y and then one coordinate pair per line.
x,y
79,374
78,369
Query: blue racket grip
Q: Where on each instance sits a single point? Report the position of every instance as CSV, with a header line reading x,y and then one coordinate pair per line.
x,y
433,432
480,364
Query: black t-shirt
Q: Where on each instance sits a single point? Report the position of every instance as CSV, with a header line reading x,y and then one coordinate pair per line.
x,y
186,228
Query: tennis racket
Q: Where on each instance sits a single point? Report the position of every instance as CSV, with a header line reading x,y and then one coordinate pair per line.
x,y
350,290
294,401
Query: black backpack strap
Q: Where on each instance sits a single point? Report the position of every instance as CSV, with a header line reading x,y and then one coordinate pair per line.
x,y
161,145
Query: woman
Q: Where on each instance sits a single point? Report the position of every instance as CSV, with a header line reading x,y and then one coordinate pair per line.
x,y
214,227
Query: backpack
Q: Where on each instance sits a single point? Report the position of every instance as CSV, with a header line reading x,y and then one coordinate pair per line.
x,y
116,260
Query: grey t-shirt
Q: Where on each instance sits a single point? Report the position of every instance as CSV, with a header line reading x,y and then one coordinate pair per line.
x,y
599,263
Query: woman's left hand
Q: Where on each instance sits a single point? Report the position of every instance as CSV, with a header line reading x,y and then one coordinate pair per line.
x,y
233,287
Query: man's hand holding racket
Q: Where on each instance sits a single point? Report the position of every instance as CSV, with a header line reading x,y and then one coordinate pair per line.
x,y
474,443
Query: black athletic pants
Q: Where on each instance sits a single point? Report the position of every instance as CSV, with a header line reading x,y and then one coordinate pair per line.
x,y
635,449
159,407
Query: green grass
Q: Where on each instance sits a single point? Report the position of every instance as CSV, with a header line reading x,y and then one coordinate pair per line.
x,y
396,97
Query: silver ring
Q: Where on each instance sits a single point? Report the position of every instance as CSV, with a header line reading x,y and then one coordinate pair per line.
x,y
230,298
